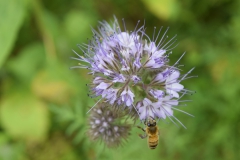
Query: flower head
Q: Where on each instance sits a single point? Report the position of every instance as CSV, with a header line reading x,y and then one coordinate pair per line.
x,y
130,70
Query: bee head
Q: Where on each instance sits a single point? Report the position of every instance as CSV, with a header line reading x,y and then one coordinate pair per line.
x,y
150,122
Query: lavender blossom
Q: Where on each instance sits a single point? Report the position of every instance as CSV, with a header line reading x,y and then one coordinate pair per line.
x,y
131,71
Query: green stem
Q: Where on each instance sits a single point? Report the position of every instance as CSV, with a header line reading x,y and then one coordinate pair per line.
x,y
45,33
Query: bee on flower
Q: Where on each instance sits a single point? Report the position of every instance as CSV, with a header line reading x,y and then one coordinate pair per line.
x,y
131,73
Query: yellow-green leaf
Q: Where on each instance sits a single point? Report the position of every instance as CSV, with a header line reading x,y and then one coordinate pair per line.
x,y
162,9
24,117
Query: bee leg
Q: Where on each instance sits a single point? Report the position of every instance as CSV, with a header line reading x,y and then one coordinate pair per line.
x,y
141,128
142,136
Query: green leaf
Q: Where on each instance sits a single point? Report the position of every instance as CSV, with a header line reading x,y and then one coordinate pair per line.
x,y
74,126
72,28
4,138
24,117
163,9
56,83
10,151
12,16
28,61
62,114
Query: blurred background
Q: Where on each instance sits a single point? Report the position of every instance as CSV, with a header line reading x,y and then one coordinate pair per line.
x,y
43,103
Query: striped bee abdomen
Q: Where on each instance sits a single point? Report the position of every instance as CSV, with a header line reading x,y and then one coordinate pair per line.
x,y
152,141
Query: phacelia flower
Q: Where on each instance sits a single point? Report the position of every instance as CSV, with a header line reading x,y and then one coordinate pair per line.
x,y
106,126
131,71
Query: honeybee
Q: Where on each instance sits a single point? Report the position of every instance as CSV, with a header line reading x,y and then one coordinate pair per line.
x,y
151,131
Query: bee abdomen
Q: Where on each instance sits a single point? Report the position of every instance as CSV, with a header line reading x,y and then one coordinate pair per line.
x,y
153,145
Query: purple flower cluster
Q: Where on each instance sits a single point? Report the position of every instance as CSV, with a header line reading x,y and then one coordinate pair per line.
x,y
131,71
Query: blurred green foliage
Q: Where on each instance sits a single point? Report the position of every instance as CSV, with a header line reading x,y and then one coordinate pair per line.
x,y
43,104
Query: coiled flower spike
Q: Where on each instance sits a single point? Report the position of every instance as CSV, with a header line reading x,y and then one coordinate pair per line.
x,y
105,125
